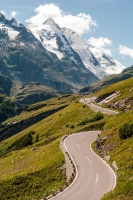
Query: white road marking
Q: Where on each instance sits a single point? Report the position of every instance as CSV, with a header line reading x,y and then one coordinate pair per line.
x,y
78,146
96,178
76,171
89,160
82,138
106,165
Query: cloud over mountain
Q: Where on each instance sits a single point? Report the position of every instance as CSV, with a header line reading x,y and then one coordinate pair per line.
x,y
124,50
13,14
80,23
101,43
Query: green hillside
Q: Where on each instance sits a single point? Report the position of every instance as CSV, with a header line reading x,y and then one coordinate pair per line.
x,y
30,169
7,108
94,87
31,162
125,97
120,150
119,145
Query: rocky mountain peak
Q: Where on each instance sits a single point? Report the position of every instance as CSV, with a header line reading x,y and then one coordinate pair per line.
x,y
50,22
2,17
50,19
12,23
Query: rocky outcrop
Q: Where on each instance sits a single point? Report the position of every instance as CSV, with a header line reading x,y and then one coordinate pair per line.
x,y
114,165
70,167
105,98
124,104
100,146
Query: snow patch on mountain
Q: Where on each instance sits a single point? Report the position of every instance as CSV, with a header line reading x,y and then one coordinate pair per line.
x,y
8,27
94,59
107,63
5,29
47,37
52,38
83,51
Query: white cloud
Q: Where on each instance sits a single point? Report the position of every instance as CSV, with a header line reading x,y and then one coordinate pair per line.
x,y
101,43
80,23
124,50
3,12
13,14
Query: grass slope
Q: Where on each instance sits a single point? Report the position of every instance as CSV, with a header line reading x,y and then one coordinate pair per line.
x,y
122,152
94,87
126,91
37,169
37,108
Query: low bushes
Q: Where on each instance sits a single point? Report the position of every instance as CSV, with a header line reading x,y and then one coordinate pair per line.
x,y
22,142
126,131
97,116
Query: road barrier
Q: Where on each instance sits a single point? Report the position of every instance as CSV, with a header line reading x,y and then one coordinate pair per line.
x,y
70,170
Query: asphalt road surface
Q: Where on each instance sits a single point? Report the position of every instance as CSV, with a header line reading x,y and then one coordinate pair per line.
x,y
94,177
97,108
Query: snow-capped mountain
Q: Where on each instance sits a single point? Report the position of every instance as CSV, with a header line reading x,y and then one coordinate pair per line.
x,y
9,28
93,58
41,55
107,64
64,42
52,38
14,34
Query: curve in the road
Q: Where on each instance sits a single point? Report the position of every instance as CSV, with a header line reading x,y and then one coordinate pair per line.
x,y
94,177
97,108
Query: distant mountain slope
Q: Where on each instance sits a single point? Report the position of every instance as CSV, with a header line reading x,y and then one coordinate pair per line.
x,y
125,74
34,92
5,85
94,59
107,64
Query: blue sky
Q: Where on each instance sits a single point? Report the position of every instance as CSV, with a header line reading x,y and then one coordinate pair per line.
x,y
104,23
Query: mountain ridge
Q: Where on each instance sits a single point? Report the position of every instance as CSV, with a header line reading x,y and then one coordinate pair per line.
x,y
46,55
25,59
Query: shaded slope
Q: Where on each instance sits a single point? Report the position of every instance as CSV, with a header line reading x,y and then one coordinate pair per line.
x,y
127,73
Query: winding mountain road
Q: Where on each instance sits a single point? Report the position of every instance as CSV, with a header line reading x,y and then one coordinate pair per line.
x,y
97,108
94,177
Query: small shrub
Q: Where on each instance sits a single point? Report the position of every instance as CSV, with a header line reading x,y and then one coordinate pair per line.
x,y
83,122
126,131
22,142
67,125
98,116
37,138
7,109
83,106
72,126
93,118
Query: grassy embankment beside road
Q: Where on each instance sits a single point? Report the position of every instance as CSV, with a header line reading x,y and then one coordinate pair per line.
x,y
36,167
120,149
30,169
